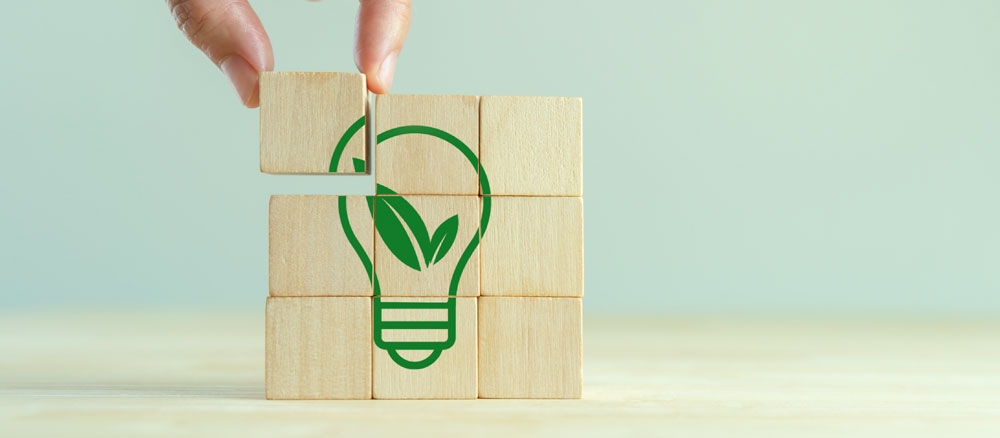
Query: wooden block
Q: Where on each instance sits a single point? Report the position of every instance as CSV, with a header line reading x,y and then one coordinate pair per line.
x,y
421,242
318,348
303,116
310,252
530,347
438,371
532,145
424,163
533,246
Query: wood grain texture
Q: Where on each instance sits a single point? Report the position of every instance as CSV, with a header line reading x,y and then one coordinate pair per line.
x,y
200,373
452,376
398,279
532,145
302,117
308,251
530,347
423,164
318,348
533,247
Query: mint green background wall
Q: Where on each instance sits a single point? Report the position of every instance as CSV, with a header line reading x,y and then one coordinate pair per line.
x,y
740,156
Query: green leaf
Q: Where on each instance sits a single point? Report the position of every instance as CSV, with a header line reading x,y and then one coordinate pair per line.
x,y
441,241
394,215
389,226
359,165
410,217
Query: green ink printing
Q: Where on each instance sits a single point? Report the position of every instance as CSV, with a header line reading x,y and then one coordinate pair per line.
x,y
397,216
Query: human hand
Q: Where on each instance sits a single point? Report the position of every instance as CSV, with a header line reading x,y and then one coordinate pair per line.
x,y
232,36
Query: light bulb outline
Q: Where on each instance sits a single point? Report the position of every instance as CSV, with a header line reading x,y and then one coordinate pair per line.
x,y
392,348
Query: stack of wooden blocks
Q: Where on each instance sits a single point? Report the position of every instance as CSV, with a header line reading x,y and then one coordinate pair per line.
x,y
460,278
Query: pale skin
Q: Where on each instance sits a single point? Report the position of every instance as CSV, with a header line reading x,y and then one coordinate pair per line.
x,y
232,36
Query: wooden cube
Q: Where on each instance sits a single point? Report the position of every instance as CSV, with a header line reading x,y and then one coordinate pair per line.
x,y
425,363
318,348
532,145
303,118
533,246
530,347
421,242
426,162
311,252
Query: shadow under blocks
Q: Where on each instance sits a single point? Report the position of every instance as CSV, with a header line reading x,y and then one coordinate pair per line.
x,y
459,276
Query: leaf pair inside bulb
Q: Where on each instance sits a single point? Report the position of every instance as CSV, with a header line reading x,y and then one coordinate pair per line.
x,y
400,225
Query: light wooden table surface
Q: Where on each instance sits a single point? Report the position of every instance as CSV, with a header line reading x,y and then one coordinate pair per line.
x,y
190,374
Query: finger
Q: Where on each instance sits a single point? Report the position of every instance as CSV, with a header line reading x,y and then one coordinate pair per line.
x,y
229,32
381,31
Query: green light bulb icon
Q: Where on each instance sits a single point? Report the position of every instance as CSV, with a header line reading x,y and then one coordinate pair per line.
x,y
398,217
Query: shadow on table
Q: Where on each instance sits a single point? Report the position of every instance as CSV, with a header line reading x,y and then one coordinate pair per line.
x,y
132,390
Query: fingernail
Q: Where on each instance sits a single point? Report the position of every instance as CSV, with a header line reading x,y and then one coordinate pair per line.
x,y
386,70
243,77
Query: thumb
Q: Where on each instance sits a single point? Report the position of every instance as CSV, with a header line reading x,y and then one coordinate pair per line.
x,y
381,31
229,32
